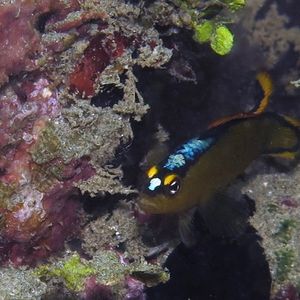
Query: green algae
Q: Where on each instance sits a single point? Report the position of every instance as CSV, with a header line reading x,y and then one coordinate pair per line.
x,y
208,22
235,5
204,31
105,266
222,40
286,230
6,192
285,259
48,145
73,271
219,36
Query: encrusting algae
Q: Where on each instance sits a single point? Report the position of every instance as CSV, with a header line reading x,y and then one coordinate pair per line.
x,y
107,269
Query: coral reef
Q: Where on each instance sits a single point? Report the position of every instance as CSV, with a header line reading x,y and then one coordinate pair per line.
x,y
76,81
60,135
52,139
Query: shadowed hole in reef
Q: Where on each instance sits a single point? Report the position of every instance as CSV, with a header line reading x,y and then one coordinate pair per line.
x,y
102,204
41,21
2,171
108,96
217,268
96,206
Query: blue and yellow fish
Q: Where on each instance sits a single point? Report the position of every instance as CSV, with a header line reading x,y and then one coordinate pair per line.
x,y
203,166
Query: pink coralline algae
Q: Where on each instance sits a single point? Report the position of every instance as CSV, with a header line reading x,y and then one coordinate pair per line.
x,y
134,289
94,290
287,293
36,218
20,41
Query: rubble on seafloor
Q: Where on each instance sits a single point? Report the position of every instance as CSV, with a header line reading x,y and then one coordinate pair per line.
x,y
61,132
277,221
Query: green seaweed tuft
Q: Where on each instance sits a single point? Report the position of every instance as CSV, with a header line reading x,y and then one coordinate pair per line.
x,y
235,5
286,230
222,40
74,271
47,146
285,260
6,192
204,31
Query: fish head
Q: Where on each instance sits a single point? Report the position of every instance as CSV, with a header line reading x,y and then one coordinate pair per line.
x,y
162,192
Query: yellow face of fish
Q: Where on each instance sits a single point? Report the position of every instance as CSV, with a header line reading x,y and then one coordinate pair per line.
x,y
168,187
160,192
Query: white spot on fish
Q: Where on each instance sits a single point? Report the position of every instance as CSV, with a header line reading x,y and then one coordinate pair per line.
x,y
154,184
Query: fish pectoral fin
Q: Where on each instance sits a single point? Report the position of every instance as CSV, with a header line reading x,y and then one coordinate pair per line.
x,y
186,228
226,216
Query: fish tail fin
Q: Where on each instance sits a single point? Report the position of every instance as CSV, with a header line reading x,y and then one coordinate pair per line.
x,y
295,122
266,84
285,141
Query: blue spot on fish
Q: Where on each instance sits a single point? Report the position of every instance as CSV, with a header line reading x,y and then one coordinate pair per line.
x,y
187,152
175,161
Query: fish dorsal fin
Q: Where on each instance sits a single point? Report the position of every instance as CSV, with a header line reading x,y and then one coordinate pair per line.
x,y
265,82
226,119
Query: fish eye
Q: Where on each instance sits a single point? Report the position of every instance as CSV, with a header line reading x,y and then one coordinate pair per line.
x,y
174,187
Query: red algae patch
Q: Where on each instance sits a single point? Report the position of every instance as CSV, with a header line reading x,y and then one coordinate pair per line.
x,y
101,51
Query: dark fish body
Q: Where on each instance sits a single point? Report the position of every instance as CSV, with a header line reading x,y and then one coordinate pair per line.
x,y
228,151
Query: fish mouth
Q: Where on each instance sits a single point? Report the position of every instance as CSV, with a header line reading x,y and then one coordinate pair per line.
x,y
147,205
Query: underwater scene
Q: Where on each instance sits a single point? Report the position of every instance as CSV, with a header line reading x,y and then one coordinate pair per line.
x,y
150,150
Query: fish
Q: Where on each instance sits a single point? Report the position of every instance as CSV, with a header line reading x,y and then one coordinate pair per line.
x,y
202,167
